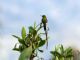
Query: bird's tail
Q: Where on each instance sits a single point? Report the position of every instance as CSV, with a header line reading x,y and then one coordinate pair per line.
x,y
46,34
44,27
46,39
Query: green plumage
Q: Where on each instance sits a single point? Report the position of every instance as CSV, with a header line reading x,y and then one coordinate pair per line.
x,y
44,21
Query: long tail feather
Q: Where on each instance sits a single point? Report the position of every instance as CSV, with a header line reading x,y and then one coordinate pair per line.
x,y
46,34
46,38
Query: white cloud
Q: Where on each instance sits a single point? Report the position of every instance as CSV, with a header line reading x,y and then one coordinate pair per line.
x,y
56,14
68,27
71,35
7,44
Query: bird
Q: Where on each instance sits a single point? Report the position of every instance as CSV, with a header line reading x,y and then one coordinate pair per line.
x,y
44,22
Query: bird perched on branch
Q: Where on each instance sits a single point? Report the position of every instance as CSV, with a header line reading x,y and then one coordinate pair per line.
x,y
44,22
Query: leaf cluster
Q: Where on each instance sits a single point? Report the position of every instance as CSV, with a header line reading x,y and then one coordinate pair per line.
x,y
60,53
29,42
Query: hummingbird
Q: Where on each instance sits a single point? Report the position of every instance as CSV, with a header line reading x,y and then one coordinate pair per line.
x,y
44,22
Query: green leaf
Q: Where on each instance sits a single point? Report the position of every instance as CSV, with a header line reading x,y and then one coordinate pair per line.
x,y
69,56
40,50
55,53
41,43
32,31
19,39
26,53
16,36
61,49
68,50
34,25
16,49
23,33
20,48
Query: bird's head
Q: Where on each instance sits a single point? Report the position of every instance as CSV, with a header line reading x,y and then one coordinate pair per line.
x,y
43,16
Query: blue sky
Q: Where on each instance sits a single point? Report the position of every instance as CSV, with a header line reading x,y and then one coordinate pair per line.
x,y
63,21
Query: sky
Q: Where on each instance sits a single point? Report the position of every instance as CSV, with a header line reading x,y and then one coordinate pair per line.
x,y
63,21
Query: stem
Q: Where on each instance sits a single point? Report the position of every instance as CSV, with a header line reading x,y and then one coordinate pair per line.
x,y
39,28
32,56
